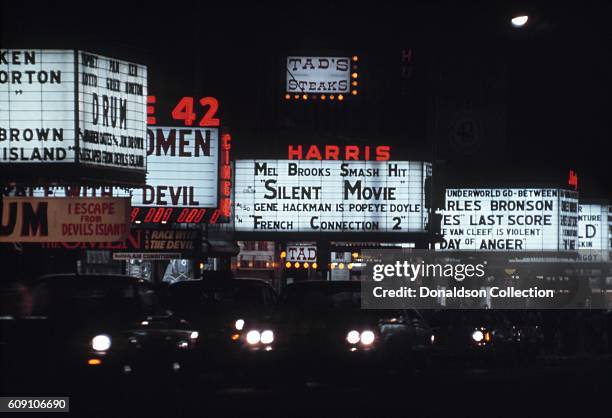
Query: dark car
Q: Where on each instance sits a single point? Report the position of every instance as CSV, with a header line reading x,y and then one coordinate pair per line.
x,y
93,327
486,335
221,308
319,327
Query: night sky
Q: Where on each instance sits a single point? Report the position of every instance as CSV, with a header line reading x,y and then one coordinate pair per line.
x,y
536,100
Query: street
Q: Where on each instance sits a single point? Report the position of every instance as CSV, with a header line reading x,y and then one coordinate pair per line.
x,y
554,387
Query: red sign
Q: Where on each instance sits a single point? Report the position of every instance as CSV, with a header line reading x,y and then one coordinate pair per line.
x,y
573,179
344,153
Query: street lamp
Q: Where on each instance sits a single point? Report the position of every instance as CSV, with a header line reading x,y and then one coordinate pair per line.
x,y
519,21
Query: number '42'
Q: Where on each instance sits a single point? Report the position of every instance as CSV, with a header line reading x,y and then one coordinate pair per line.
x,y
184,111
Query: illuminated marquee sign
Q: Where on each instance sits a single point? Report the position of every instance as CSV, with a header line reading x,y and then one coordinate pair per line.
x,y
510,220
189,179
64,106
330,196
594,232
183,242
72,219
321,77
301,253
182,168
208,199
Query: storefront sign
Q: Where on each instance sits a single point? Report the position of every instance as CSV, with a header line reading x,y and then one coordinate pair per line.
x,y
64,219
318,74
184,241
301,253
72,107
330,196
510,220
146,256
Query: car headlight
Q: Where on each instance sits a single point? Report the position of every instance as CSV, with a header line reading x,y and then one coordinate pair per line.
x,y
267,337
367,337
239,324
253,337
101,342
194,335
478,336
353,337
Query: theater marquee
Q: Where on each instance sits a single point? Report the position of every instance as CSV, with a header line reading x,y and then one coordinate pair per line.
x,y
63,108
69,219
510,220
330,196
594,232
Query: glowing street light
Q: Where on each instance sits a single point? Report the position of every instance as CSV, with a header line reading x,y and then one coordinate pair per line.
x,y
519,21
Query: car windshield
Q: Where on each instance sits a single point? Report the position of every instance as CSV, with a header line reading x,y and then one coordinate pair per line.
x,y
451,318
322,297
98,298
229,296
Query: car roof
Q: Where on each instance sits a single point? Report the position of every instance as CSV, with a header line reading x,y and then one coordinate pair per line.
x,y
221,282
324,284
66,278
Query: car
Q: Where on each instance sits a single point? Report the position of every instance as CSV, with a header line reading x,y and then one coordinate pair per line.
x,y
221,307
320,331
87,329
486,336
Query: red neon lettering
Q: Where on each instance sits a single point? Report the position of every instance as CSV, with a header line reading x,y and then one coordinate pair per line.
x,y
313,153
332,152
213,105
383,153
352,152
184,111
134,214
215,216
151,120
225,207
573,179
295,153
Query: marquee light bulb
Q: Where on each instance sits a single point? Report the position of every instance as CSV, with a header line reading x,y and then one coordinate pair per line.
x,y
355,58
354,75
323,97
354,92
287,96
296,265
305,97
306,265
340,97
288,264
